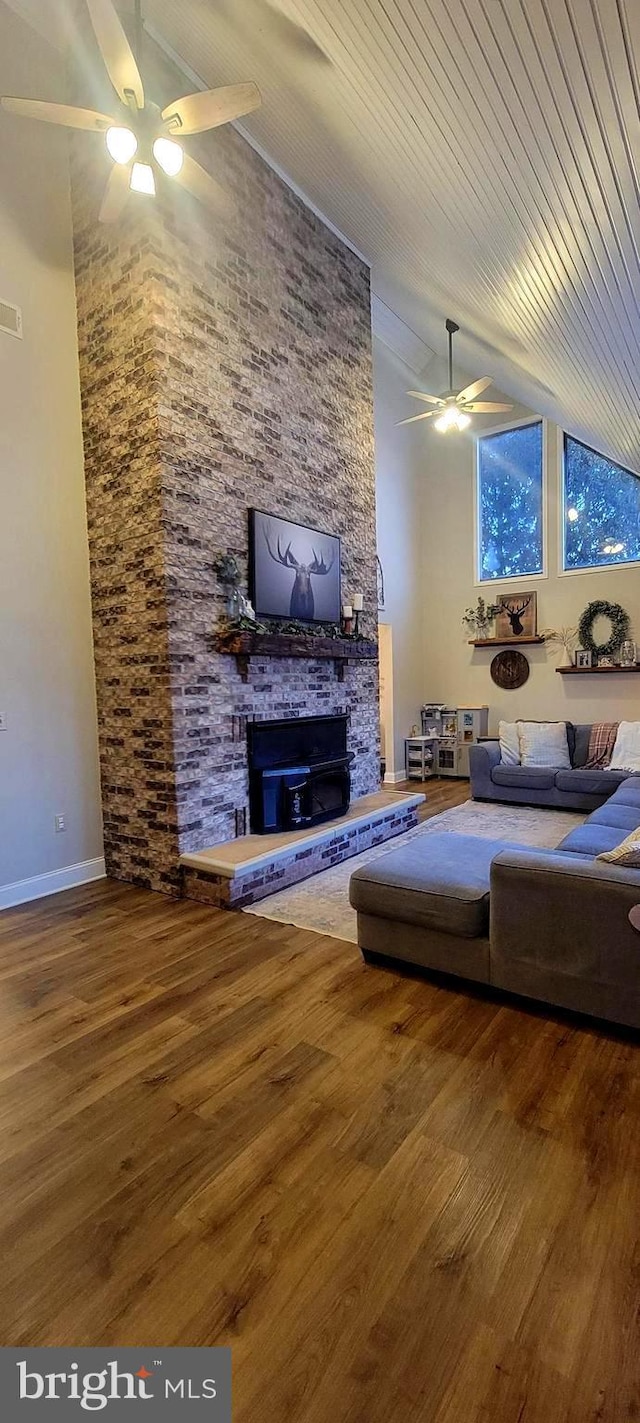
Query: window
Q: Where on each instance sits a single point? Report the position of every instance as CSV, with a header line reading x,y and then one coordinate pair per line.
x,y
601,509
510,503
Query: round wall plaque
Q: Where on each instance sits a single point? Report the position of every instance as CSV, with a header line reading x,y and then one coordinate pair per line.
x,y
510,670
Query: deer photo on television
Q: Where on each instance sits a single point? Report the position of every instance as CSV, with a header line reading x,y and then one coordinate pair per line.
x,y
302,603
517,616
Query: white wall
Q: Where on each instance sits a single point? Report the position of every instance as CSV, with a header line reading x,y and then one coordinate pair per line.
x,y
457,673
400,470
48,753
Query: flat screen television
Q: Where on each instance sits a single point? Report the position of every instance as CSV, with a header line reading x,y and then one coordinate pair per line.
x,y
294,571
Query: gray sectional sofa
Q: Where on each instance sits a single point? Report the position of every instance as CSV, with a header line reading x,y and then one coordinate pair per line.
x,y
549,924
574,789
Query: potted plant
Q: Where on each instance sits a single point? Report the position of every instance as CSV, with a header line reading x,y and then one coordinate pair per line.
x,y
478,621
228,574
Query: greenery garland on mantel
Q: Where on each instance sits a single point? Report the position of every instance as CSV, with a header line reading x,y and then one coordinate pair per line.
x,y
619,628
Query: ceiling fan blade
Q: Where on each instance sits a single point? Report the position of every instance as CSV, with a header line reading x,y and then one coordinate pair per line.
x,y
203,187
198,112
470,391
118,56
432,399
426,415
57,114
116,192
485,405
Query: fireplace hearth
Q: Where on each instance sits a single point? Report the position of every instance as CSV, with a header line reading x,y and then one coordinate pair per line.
x,y
298,772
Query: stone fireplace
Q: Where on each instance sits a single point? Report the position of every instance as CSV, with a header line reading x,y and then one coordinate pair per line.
x,y
225,364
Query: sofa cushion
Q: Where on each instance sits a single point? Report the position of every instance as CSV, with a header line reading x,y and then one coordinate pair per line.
x,y
581,737
438,882
617,817
526,778
590,839
509,743
544,743
626,752
628,793
585,782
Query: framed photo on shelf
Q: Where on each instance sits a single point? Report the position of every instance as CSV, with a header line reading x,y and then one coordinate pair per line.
x,y
517,615
583,657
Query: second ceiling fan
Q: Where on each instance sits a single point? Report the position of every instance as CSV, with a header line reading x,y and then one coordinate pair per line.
x,y
453,409
141,137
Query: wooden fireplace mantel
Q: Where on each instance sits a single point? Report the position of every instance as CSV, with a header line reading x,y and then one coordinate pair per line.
x,y
340,650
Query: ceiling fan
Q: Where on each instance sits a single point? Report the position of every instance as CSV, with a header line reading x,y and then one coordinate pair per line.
x,y
141,136
454,407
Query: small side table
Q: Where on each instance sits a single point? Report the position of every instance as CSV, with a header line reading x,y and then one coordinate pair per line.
x,y
421,757
634,918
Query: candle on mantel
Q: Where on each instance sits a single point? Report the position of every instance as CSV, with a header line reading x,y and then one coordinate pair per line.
x,y
358,602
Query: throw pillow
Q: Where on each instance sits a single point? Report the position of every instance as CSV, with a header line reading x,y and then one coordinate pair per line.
x,y
544,743
626,853
601,743
509,743
626,752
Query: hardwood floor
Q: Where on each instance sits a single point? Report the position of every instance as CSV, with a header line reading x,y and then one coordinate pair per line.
x,y
441,793
392,1199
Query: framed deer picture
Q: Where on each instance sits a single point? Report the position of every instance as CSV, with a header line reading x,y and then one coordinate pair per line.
x,y
517,616
294,570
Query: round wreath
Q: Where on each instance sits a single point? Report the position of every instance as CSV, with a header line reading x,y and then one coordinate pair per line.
x,y
619,627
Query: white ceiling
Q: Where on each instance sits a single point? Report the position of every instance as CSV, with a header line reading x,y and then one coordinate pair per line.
x,y
483,155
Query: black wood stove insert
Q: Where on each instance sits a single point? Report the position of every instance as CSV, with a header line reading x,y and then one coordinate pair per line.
x,y
298,772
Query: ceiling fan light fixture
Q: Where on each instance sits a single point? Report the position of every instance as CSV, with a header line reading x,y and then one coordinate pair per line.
x,y
121,143
169,155
142,179
452,419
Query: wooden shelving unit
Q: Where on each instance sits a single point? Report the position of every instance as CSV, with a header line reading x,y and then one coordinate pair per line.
x,y
340,650
595,671
503,641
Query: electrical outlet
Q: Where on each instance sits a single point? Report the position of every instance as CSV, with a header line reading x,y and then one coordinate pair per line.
x,y
59,824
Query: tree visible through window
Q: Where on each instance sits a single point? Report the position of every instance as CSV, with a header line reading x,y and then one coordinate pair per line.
x,y
601,509
510,503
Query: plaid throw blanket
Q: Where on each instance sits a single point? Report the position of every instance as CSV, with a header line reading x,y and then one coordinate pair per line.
x,y
601,743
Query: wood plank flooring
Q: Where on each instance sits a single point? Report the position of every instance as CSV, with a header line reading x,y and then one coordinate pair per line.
x,y
394,1200
441,793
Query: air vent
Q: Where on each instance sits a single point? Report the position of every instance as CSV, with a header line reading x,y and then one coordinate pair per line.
x,y
10,318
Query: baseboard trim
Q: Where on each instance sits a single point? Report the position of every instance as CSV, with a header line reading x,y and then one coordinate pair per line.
x,y
24,890
393,778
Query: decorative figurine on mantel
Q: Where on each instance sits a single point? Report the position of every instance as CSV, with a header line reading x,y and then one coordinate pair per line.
x,y
247,609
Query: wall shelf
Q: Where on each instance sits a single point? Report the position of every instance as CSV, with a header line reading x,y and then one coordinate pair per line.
x,y
340,650
594,671
503,641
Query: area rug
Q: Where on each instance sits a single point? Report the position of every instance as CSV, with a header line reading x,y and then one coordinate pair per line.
x,y
322,902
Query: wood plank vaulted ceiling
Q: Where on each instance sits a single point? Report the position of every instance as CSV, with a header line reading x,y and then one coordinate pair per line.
x,y
483,155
